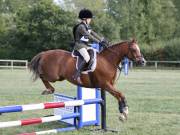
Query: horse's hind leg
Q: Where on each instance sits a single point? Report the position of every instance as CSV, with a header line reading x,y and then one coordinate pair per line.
x,y
49,88
123,107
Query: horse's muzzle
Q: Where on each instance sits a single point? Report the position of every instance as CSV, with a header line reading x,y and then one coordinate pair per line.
x,y
141,61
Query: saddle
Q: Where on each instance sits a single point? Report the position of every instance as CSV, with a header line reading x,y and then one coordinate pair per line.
x,y
92,52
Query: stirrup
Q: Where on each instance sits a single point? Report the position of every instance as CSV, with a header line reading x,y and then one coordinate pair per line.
x,y
76,75
79,80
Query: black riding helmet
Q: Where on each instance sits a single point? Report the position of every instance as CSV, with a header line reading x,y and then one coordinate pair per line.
x,y
85,13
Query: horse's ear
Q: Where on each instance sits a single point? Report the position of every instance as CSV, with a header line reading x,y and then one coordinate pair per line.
x,y
133,40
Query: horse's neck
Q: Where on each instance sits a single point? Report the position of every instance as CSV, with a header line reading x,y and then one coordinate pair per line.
x,y
115,53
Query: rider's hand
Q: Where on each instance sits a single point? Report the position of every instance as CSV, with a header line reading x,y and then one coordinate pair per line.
x,y
104,43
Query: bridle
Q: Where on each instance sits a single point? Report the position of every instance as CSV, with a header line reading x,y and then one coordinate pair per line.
x,y
130,51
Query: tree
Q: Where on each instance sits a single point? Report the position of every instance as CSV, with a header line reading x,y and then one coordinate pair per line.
x,y
8,9
106,26
148,20
42,26
177,6
77,5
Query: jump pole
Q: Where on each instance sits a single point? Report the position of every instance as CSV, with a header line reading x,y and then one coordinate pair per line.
x,y
32,121
48,105
11,109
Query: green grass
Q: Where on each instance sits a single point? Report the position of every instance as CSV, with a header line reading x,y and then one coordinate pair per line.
x,y
153,97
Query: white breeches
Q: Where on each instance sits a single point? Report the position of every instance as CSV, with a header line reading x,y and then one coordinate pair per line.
x,y
85,54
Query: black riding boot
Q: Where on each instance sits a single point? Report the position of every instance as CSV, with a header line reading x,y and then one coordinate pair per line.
x,y
78,72
91,61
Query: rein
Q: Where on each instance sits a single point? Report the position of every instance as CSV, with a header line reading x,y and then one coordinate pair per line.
x,y
130,51
109,49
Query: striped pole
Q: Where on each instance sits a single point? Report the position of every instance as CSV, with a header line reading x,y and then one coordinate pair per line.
x,y
48,105
37,120
52,131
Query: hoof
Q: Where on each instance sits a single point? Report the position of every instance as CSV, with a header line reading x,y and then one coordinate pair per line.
x,y
124,116
47,92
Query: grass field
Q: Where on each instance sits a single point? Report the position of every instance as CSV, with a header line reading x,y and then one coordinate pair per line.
x,y
153,97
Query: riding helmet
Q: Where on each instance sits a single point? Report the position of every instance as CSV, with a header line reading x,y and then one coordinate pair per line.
x,y
85,13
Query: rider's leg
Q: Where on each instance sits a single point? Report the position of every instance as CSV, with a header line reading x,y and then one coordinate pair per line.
x,y
91,61
84,53
85,60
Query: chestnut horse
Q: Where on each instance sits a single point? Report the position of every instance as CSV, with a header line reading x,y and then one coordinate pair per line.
x,y
59,65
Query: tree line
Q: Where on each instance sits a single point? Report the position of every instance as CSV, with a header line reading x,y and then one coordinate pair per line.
x,y
28,27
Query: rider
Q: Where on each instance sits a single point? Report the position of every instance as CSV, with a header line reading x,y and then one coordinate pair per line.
x,y
83,36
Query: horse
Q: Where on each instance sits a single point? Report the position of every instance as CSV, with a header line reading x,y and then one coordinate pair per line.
x,y
58,65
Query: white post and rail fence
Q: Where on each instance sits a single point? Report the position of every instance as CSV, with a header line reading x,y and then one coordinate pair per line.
x,y
13,64
158,65
23,64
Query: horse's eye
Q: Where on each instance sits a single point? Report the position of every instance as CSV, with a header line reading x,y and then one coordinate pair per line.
x,y
133,49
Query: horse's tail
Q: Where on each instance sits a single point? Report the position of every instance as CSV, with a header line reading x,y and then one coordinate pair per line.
x,y
34,66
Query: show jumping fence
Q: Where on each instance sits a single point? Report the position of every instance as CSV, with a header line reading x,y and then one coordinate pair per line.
x,y
48,105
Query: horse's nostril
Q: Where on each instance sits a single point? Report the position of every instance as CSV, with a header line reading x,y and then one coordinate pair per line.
x,y
143,62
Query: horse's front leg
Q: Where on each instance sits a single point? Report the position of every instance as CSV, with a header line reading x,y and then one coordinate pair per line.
x,y
123,107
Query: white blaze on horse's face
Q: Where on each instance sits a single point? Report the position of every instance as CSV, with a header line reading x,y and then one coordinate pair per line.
x,y
135,51
137,56
137,47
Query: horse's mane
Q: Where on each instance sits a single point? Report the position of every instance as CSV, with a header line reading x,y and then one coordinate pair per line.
x,y
114,45
118,43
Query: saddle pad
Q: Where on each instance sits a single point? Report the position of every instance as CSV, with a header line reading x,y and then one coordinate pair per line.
x,y
79,58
